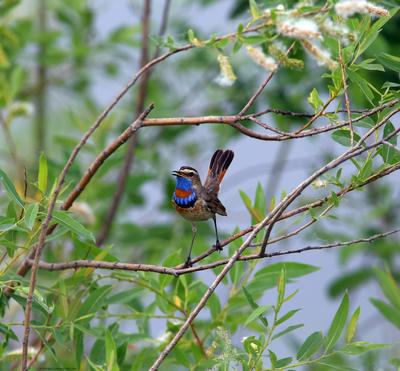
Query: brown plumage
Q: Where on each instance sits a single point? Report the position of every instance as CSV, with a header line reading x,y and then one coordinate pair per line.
x,y
202,202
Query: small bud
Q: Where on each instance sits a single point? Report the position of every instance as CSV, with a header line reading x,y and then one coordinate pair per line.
x,y
319,183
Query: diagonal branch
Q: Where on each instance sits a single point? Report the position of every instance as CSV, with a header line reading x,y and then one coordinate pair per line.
x,y
130,152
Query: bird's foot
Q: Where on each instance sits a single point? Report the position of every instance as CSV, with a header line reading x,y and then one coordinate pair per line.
x,y
218,246
188,263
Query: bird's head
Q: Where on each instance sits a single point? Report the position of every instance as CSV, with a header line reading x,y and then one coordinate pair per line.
x,y
186,177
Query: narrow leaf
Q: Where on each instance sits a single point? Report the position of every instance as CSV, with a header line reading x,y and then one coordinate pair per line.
x,y
286,331
65,219
31,214
352,327
389,312
310,346
10,189
256,313
42,174
338,323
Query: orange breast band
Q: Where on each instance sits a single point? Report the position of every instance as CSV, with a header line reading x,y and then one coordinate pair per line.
x,y
181,193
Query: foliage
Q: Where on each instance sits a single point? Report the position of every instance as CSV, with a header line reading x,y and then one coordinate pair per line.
x,y
53,60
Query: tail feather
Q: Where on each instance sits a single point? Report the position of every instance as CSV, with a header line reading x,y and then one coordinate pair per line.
x,y
219,163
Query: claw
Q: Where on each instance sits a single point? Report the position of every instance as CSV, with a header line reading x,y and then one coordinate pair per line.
x,y
218,246
188,263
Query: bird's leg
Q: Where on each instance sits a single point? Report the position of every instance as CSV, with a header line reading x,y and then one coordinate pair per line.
x,y
217,243
188,262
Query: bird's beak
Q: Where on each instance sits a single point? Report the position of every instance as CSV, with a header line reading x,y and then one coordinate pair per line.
x,y
176,173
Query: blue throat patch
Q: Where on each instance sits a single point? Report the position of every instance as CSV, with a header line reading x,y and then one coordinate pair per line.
x,y
184,185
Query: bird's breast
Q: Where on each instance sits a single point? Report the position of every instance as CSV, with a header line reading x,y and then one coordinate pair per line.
x,y
197,212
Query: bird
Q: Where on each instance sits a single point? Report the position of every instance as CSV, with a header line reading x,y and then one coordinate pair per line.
x,y
197,202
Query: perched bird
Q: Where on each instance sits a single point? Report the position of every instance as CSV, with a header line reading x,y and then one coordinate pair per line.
x,y
195,201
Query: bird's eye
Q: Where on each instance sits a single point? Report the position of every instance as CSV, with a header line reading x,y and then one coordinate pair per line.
x,y
191,173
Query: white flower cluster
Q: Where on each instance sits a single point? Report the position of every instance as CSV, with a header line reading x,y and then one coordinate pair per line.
x,y
299,28
336,30
258,56
346,8
322,56
226,77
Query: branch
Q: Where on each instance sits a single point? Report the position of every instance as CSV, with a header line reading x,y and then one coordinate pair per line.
x,y
299,210
233,120
346,95
356,150
130,153
271,218
180,271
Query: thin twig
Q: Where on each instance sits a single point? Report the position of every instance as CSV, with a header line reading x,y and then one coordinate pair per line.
x,y
346,95
355,150
130,152
261,87
181,271
41,77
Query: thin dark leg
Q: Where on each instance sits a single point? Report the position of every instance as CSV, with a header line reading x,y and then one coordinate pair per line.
x,y
188,262
217,244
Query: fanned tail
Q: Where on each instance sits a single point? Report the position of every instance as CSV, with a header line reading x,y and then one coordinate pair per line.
x,y
219,163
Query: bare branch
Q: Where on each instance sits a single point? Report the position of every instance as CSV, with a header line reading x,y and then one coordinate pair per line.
x,y
130,152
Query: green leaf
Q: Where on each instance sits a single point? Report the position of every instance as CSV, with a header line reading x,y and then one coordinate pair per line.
x,y
338,323
258,312
389,154
31,214
281,288
283,362
286,316
255,306
352,326
389,287
315,100
343,137
390,313
43,173
361,347
78,337
367,65
259,202
267,278
111,352
370,36
254,10
349,281
5,330
64,218
95,300
362,84
10,189
253,212
310,346
390,61
124,297
286,331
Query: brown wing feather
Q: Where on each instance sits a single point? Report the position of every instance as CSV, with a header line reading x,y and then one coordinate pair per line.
x,y
219,163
